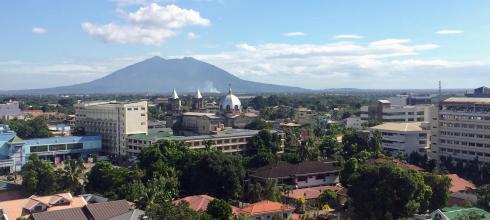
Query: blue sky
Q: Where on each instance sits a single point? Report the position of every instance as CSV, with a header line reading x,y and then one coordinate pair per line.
x,y
312,44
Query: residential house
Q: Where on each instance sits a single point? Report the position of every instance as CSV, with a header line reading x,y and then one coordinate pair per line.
x,y
265,210
462,191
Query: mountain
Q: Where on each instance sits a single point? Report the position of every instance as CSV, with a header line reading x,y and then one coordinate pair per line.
x,y
158,75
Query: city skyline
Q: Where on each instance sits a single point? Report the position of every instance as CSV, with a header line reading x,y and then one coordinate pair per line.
x,y
326,44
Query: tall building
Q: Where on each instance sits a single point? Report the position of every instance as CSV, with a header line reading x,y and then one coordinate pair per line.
x,y
385,111
461,129
483,92
10,110
404,138
113,121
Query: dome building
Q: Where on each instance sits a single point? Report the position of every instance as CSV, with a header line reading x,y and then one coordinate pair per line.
x,y
230,104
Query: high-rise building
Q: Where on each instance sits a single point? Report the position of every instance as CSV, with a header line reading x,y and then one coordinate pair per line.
x,y
113,121
461,129
385,111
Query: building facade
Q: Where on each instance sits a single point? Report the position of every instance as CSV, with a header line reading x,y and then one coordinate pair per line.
x,y
461,129
10,110
405,138
227,141
386,112
113,121
15,152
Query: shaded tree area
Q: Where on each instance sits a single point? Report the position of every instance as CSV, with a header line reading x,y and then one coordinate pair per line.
x,y
258,124
39,177
474,170
262,149
27,129
386,191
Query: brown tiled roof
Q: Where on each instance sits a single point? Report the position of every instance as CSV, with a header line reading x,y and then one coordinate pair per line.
x,y
311,192
459,184
265,207
105,210
283,169
71,214
200,202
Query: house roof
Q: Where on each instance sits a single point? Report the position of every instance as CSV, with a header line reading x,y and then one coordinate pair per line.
x,y
283,169
15,208
199,202
72,214
265,207
400,127
106,210
134,214
310,193
453,212
459,184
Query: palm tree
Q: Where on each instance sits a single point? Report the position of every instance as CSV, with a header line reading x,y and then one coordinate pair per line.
x,y
73,175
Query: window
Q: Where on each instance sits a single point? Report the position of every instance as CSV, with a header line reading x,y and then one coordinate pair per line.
x,y
40,148
57,147
74,146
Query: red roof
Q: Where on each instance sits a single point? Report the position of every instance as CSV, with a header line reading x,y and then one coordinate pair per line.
x,y
199,202
265,207
459,184
310,193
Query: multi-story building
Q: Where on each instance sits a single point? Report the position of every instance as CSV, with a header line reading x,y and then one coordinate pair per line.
x,y
113,121
386,112
461,129
404,138
227,141
483,92
15,152
10,110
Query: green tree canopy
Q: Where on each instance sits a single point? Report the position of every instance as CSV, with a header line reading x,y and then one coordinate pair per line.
x,y
106,179
219,210
38,177
26,129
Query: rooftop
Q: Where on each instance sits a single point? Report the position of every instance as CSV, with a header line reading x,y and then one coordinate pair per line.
x,y
58,140
72,214
106,210
400,127
453,212
311,192
459,184
467,100
283,169
264,207
199,202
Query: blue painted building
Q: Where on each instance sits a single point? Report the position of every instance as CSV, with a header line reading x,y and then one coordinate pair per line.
x,y
14,151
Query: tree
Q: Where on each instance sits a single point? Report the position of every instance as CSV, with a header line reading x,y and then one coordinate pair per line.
x,y
219,209
329,146
354,142
472,215
440,190
26,129
38,177
262,148
351,167
72,176
307,150
483,194
257,124
375,142
169,211
328,197
214,173
106,179
384,191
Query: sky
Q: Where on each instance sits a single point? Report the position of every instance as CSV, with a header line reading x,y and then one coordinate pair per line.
x,y
377,44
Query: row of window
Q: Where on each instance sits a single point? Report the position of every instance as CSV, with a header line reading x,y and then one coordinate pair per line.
x,y
56,147
481,154
460,134
136,108
463,143
464,117
462,125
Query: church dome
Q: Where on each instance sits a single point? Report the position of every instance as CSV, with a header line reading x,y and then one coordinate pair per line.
x,y
230,103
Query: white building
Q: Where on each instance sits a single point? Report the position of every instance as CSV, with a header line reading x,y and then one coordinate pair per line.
x,y
114,121
386,112
405,138
10,110
462,129
352,122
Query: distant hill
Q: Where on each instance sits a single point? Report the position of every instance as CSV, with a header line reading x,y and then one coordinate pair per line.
x,y
158,75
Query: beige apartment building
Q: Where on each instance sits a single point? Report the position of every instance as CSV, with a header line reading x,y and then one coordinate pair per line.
x,y
461,129
113,121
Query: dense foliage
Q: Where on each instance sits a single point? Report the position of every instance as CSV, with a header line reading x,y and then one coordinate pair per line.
x,y
26,129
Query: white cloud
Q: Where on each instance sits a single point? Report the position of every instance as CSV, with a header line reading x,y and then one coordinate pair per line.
x,y
39,30
348,36
386,63
294,34
449,31
192,35
152,25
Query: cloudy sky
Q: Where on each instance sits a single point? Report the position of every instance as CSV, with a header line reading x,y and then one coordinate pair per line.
x,y
312,44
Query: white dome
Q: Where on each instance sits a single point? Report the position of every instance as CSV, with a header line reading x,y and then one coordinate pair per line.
x,y
230,102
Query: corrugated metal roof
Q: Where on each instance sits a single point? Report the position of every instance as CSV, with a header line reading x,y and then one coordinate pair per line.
x,y
106,210
58,140
71,214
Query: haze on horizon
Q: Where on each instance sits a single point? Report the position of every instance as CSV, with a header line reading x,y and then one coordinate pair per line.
x,y
322,44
